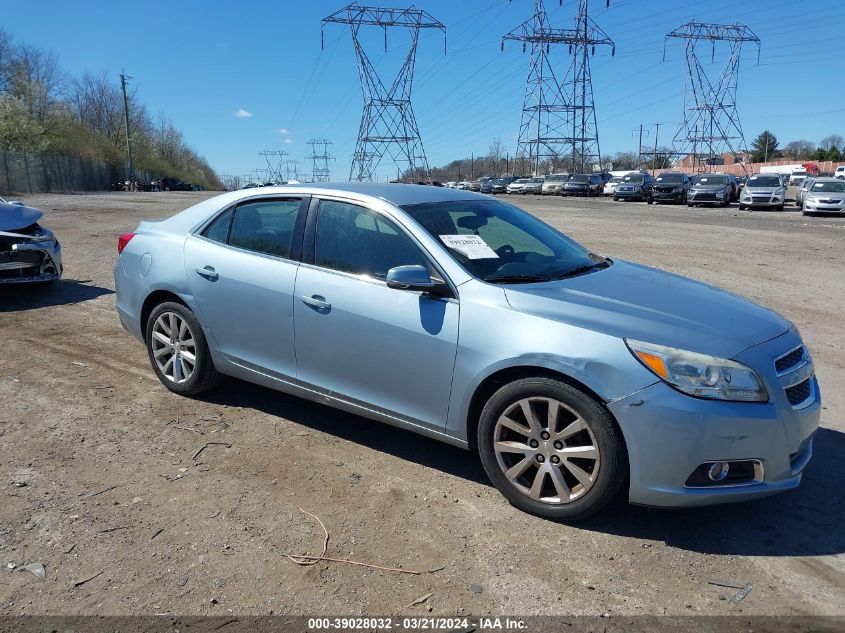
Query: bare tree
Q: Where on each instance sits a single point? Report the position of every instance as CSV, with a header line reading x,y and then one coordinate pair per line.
x,y
35,79
834,140
801,149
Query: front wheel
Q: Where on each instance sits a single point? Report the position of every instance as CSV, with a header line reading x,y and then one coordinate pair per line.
x,y
551,449
178,350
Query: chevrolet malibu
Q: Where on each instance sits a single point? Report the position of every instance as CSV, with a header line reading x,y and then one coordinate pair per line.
x,y
465,319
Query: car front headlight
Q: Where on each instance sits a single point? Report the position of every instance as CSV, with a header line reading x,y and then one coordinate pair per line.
x,y
700,375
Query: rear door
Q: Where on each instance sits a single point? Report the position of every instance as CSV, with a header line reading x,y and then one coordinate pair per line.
x,y
242,268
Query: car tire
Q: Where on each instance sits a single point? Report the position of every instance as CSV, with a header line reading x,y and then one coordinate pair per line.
x,y
742,207
779,207
204,375
590,482
616,199
690,205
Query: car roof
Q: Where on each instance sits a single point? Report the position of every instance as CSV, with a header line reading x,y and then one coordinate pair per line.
x,y
826,179
395,193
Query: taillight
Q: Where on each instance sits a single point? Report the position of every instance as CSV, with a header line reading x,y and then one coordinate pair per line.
x,y
123,240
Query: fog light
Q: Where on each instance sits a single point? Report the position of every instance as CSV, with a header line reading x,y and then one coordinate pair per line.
x,y
718,471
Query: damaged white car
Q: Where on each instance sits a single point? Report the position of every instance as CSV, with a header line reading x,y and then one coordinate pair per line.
x,y
29,252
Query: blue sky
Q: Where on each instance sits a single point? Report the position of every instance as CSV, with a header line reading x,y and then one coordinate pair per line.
x,y
201,62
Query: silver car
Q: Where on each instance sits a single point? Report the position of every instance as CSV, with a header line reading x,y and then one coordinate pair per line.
x,y
552,185
763,190
468,320
826,195
802,190
29,252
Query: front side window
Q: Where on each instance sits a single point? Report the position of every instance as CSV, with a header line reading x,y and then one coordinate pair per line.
x,y
265,226
356,240
499,243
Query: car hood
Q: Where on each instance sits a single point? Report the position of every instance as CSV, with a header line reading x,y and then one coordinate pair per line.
x,y
15,216
762,190
628,300
708,187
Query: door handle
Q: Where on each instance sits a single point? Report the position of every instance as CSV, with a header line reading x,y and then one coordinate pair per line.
x,y
316,301
208,272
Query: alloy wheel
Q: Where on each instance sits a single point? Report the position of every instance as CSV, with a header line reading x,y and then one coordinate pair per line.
x,y
174,347
546,450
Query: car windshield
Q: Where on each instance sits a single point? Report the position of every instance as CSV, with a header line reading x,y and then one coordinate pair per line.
x,y
799,173
537,179
831,187
579,178
670,178
633,178
617,179
711,180
499,243
763,181
555,178
522,181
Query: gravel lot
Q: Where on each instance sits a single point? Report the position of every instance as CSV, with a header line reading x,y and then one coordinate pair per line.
x,y
99,480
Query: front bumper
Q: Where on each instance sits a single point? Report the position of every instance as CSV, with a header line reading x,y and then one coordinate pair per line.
x,y
823,207
575,191
630,194
761,200
668,196
31,262
551,190
669,434
707,197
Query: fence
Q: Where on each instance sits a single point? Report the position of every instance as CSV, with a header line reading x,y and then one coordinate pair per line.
x,y
25,172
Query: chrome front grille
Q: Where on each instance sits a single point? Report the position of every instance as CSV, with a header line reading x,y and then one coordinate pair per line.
x,y
795,371
789,360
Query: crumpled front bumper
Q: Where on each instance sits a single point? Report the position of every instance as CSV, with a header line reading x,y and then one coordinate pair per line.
x,y
24,260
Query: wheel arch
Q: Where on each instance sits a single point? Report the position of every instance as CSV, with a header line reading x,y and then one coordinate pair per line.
x,y
157,297
492,383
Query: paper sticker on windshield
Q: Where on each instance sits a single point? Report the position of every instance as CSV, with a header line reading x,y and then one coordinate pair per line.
x,y
470,246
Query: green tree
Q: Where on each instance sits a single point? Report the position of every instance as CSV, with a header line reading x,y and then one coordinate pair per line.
x,y
764,147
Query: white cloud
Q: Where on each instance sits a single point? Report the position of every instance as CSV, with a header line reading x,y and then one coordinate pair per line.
x,y
243,114
288,141
284,130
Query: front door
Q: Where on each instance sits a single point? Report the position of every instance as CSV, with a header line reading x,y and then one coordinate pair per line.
x,y
358,340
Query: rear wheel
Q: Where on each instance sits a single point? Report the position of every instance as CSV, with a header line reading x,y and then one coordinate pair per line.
x,y
178,350
551,449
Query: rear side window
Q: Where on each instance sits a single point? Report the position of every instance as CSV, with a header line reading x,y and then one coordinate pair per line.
x,y
265,226
218,230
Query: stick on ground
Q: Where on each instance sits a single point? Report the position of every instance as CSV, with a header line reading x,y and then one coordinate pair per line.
x,y
306,560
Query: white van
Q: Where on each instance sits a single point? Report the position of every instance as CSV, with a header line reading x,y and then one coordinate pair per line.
x,y
797,177
840,172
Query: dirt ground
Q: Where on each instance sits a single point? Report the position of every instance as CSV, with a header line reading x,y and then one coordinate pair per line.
x,y
101,484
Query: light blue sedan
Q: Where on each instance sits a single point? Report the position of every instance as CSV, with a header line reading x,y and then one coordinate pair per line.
x,y
468,320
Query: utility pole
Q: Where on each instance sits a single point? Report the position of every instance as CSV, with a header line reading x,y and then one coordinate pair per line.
x,y
388,125
640,146
130,171
654,157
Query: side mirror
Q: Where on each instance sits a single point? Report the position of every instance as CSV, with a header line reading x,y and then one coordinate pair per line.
x,y
410,278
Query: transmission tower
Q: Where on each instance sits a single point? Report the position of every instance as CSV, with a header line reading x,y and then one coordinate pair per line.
x,y
388,125
274,160
559,119
292,171
711,125
320,160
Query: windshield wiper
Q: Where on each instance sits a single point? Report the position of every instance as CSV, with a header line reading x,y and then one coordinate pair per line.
x,y
580,270
516,279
